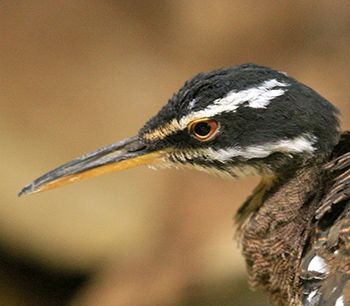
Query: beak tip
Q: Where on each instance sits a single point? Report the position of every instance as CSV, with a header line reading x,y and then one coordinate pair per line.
x,y
26,190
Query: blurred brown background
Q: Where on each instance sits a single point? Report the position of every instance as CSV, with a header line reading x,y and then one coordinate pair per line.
x,y
79,75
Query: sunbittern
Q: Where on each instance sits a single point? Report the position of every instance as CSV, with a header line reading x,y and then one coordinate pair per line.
x,y
249,119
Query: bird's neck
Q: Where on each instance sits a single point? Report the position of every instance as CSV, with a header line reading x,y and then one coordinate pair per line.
x,y
275,223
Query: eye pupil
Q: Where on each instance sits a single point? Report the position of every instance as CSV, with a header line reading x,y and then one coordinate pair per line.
x,y
202,129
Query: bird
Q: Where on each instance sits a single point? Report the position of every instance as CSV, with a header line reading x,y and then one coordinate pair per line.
x,y
294,228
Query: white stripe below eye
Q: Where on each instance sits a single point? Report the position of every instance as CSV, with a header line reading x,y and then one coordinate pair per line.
x,y
256,97
296,145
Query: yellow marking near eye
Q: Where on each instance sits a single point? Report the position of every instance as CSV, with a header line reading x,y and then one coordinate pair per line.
x,y
163,131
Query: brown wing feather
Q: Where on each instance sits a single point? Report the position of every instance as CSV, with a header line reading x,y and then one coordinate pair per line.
x,y
325,268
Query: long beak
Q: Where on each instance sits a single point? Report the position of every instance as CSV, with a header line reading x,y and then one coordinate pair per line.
x,y
122,155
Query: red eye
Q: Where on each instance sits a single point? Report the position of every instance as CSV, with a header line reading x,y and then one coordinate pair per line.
x,y
204,129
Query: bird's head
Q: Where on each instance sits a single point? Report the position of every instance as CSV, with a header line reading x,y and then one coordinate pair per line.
x,y
245,119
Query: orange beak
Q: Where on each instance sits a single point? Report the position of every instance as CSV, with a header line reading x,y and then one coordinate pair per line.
x,y
122,155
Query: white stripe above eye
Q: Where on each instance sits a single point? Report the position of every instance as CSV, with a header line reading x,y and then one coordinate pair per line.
x,y
256,97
